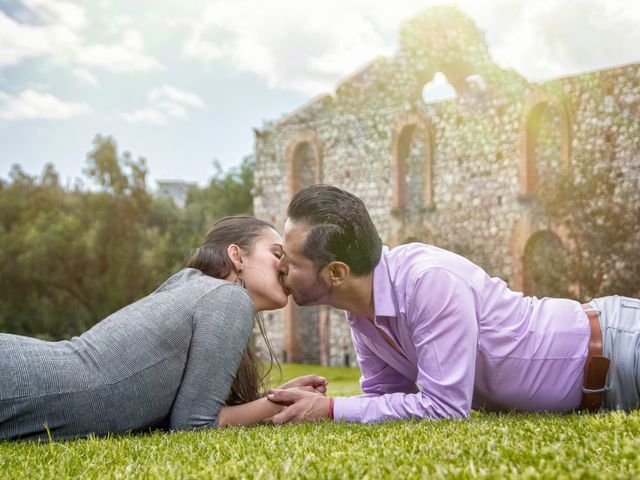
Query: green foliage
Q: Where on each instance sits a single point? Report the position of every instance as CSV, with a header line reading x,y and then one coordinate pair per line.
x,y
484,446
598,204
69,258
227,194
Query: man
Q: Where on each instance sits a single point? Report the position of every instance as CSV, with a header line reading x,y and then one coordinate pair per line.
x,y
436,336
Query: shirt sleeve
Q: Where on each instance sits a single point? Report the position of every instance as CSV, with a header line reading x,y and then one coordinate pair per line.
x,y
222,325
442,316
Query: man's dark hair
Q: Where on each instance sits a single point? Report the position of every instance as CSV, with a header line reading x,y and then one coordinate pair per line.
x,y
340,228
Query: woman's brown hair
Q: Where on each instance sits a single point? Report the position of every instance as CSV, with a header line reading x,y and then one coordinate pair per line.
x,y
211,258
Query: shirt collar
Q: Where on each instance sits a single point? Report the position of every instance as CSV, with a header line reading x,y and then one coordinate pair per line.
x,y
383,293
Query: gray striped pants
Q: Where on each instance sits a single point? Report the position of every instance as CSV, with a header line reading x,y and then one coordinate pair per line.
x,y
620,324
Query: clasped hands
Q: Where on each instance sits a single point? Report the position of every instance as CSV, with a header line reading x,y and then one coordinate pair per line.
x,y
304,399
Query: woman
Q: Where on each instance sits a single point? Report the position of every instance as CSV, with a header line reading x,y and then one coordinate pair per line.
x,y
168,360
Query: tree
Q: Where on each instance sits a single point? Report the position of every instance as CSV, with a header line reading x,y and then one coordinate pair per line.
x,y
598,203
69,258
227,194
72,258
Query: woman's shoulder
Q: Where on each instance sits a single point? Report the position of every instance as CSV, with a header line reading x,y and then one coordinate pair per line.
x,y
228,292
230,299
191,276
197,285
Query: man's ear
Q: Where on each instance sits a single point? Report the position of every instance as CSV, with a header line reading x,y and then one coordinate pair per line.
x,y
337,273
235,255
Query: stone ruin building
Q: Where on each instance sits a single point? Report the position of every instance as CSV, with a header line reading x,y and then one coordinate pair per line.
x,y
459,173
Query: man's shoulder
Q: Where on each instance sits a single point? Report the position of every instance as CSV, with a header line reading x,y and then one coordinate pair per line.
x,y
412,262
416,257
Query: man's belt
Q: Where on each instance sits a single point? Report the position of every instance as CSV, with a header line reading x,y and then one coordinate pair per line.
x,y
596,366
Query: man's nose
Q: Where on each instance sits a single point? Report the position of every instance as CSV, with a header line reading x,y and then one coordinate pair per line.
x,y
282,266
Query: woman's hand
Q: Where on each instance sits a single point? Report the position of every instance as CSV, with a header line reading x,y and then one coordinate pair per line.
x,y
303,406
264,408
307,382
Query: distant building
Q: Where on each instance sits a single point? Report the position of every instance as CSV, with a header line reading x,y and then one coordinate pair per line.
x,y
176,190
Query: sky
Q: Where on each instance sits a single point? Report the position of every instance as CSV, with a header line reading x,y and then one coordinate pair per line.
x,y
184,83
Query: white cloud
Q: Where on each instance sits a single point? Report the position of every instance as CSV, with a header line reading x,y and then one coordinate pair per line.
x,y
62,12
295,47
86,77
122,57
550,38
149,115
122,21
59,39
163,103
18,41
31,104
287,44
172,94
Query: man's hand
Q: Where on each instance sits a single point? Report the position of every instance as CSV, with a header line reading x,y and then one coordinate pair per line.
x,y
317,383
303,406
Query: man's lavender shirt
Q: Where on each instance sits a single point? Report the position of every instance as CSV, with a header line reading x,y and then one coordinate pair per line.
x,y
467,341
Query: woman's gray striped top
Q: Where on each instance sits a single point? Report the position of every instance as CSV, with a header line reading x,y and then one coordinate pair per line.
x,y
167,360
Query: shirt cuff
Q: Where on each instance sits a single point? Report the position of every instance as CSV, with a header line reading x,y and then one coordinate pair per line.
x,y
347,409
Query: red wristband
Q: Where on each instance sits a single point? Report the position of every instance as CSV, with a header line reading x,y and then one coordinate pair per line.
x,y
331,407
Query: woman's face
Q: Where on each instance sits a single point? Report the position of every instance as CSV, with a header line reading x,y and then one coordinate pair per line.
x,y
260,272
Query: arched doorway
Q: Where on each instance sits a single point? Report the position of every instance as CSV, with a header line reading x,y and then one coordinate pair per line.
x,y
306,328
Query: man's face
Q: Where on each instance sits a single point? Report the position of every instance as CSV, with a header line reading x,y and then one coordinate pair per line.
x,y
299,276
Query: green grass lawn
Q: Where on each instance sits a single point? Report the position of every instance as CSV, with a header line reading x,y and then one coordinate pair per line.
x,y
342,380
487,446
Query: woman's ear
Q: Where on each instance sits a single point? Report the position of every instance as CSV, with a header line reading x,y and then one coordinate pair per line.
x,y
235,255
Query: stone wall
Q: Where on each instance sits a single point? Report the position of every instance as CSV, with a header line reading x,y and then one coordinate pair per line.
x,y
457,173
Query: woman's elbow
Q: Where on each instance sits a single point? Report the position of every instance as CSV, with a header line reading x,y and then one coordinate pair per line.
x,y
223,418
194,423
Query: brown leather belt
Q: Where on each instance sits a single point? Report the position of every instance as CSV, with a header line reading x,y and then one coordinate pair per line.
x,y
596,366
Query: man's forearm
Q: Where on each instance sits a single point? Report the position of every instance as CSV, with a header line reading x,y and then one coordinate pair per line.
x,y
248,413
397,406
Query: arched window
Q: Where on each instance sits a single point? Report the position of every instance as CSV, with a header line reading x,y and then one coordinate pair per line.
x,y
305,166
439,89
545,141
412,168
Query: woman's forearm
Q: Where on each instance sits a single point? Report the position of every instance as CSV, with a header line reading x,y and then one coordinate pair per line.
x,y
248,413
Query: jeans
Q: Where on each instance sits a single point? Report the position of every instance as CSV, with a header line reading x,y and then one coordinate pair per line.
x,y
620,324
